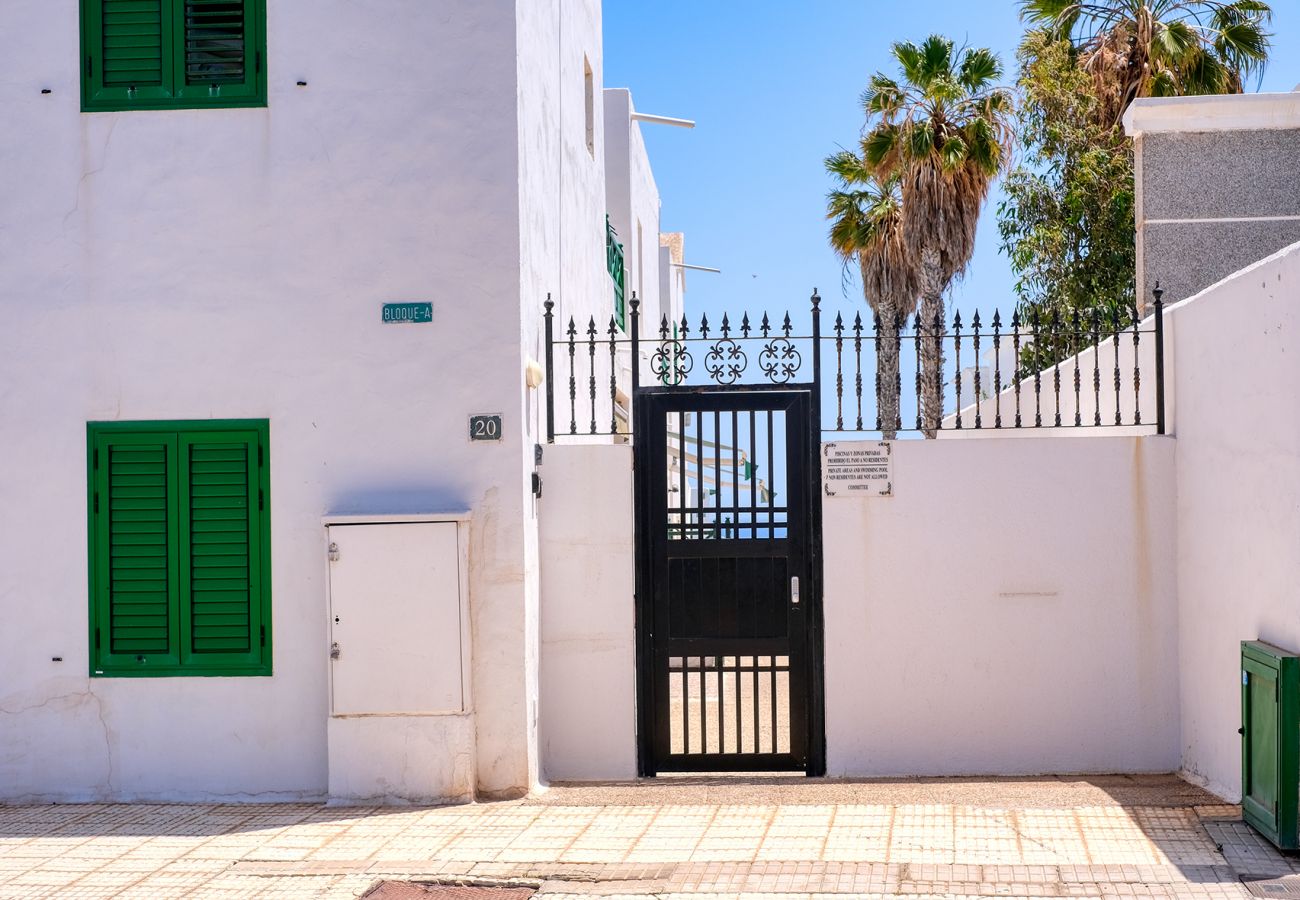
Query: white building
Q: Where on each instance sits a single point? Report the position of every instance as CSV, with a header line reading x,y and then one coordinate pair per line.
x,y
208,242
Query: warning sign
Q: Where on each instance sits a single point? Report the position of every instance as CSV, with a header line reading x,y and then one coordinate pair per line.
x,y
858,469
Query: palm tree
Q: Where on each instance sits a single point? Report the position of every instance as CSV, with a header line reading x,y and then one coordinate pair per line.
x,y
945,129
866,213
1159,48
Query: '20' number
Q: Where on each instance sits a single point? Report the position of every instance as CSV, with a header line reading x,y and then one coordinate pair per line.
x,y
485,428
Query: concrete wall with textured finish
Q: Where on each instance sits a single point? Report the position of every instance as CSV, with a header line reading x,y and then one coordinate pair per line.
x,y
1218,186
1236,365
1010,610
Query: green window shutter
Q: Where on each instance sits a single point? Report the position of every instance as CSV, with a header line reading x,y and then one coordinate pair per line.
x,y
135,575
221,529
160,54
180,548
218,51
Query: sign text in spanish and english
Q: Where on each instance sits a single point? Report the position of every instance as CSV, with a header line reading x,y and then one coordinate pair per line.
x,y
858,469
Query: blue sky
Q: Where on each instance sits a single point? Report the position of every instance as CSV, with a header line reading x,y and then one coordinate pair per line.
x,y
774,87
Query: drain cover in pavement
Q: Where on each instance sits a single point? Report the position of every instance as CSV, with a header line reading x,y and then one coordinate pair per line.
x,y
1272,886
414,890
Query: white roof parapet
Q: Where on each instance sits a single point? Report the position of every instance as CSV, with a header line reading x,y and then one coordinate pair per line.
x,y
1223,112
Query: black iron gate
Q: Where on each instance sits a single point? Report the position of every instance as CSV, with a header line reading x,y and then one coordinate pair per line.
x,y
727,594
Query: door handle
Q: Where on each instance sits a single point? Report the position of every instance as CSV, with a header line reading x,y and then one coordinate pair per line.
x,y
794,590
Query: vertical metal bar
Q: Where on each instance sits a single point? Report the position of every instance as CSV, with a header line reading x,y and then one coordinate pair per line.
x,y
857,355
916,339
1075,341
1015,349
938,371
1116,323
1035,321
753,477
722,693
1096,365
591,351
686,705
1137,369
683,496
1160,359
771,492
771,704
550,369
735,473
717,473
704,706
898,371
636,349
613,375
1056,363
699,472
875,334
839,372
740,747
573,376
975,350
757,729
997,368
816,301
956,350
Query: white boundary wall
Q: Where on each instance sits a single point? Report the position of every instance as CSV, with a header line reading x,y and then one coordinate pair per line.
x,y
1236,363
1011,610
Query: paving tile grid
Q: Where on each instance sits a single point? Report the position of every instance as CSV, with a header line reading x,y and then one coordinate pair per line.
x,y
714,849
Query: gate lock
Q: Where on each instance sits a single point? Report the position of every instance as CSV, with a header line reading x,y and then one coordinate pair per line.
x,y
794,590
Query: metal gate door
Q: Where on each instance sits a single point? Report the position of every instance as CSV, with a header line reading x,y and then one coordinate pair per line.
x,y
726,599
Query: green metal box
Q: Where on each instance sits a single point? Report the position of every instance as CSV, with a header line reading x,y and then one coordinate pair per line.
x,y
1270,742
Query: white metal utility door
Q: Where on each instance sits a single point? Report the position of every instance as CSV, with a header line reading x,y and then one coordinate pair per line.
x,y
395,617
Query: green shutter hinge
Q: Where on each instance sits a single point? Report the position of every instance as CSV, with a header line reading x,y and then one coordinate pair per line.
x,y
260,457
263,631
261,499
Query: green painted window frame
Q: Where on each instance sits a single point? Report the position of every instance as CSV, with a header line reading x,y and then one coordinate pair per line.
x,y
180,659
174,92
616,264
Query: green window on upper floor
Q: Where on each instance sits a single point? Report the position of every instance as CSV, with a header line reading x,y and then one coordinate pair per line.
x,y
615,263
180,548
172,54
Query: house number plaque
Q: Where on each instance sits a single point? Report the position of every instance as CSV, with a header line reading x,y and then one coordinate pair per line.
x,y
485,428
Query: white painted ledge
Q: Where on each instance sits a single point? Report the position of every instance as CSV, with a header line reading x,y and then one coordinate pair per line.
x,y
395,518
1231,112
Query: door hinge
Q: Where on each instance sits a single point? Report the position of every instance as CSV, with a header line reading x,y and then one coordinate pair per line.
x,y
334,650
334,552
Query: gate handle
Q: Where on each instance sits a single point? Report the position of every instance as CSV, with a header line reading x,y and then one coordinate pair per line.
x,y
794,590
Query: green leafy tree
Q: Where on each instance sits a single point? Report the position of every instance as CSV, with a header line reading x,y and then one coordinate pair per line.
x,y
1067,222
1158,48
866,213
945,129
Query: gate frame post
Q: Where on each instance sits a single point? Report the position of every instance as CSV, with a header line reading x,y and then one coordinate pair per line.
x,y
816,765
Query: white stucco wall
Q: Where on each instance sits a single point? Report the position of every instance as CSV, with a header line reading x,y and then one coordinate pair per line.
x,y
588,672
1236,366
1011,610
232,263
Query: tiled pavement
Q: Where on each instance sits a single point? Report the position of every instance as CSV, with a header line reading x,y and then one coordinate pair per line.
x,y
735,841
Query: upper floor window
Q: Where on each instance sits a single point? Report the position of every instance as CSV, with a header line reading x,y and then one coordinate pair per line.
x,y
172,54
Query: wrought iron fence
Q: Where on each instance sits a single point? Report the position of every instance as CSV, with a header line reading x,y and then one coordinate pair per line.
x,y
1101,367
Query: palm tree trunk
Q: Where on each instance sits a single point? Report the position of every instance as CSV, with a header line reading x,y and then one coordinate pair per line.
x,y
930,343
887,375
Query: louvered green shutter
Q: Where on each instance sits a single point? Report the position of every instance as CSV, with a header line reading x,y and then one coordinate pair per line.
x,y
157,54
134,544
221,531
180,548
